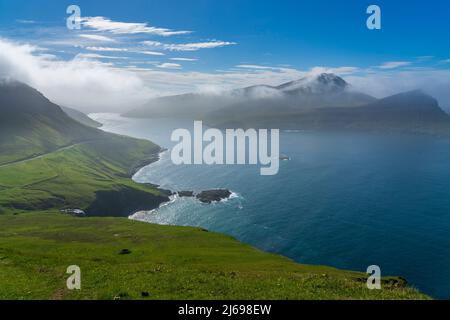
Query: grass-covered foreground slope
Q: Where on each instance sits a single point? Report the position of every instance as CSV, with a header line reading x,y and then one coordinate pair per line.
x,y
167,262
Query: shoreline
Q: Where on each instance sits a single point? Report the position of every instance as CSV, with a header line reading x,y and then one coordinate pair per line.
x,y
136,214
224,196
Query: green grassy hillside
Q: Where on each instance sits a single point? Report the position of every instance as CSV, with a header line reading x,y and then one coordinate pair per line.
x,y
165,261
50,161
31,125
88,176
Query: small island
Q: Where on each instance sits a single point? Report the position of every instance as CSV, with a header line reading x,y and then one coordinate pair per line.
x,y
210,196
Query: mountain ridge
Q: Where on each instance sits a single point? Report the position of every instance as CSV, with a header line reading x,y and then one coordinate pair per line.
x,y
319,102
290,94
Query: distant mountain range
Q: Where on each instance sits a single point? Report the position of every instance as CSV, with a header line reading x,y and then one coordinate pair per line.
x,y
321,102
309,92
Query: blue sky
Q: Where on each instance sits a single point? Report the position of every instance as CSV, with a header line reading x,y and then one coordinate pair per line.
x,y
233,43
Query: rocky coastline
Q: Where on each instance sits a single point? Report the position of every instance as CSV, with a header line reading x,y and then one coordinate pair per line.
x,y
126,201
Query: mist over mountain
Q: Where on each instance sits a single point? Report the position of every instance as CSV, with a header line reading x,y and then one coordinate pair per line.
x,y
308,92
322,102
409,112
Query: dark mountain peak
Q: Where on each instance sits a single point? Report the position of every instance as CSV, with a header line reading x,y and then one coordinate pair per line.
x,y
14,86
319,83
331,78
17,96
411,100
418,94
410,106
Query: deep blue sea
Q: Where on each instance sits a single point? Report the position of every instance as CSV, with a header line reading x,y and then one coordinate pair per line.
x,y
345,200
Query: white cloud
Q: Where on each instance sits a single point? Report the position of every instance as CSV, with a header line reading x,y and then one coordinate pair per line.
x,y
183,59
151,53
106,25
168,83
96,56
188,46
336,70
313,71
82,83
96,37
90,84
107,49
394,64
168,65
257,67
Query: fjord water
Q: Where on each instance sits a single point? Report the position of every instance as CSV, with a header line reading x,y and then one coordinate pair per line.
x,y
344,199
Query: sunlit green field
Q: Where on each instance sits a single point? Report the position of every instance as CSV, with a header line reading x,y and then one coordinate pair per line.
x,y
166,262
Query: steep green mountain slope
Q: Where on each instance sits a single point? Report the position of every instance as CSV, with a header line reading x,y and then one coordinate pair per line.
x,y
31,125
48,160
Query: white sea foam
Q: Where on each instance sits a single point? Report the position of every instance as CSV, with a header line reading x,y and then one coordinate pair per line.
x,y
140,215
233,195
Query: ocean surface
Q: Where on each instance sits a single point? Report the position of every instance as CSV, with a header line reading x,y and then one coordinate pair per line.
x,y
345,200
